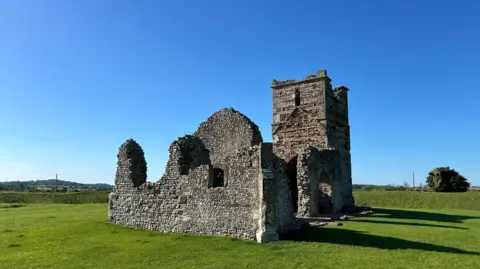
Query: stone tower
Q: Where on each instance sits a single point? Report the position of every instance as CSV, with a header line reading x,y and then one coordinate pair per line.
x,y
309,113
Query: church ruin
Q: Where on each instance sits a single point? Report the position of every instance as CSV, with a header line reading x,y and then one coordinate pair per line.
x,y
224,180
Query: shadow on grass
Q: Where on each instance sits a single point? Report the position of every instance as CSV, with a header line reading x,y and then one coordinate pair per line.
x,y
11,205
409,224
419,215
355,238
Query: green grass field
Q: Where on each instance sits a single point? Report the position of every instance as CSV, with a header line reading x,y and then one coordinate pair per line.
x,y
397,199
414,199
77,236
92,197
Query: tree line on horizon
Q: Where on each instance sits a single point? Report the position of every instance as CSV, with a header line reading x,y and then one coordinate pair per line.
x,y
440,179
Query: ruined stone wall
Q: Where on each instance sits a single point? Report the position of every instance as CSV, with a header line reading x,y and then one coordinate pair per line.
x,y
338,131
274,167
131,166
299,124
337,119
184,201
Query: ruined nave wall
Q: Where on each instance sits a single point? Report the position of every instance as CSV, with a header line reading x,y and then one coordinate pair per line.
x,y
187,199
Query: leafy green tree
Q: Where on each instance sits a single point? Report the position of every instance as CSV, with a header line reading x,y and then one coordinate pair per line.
x,y
445,179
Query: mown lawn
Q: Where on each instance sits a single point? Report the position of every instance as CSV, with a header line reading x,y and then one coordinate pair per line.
x,y
25,197
77,236
416,199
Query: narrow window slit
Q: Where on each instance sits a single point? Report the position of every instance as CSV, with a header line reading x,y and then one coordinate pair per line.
x,y
218,178
297,98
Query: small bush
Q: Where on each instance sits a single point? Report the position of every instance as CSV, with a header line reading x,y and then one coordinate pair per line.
x,y
444,179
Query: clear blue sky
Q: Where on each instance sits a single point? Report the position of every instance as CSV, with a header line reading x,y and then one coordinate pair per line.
x,y
79,77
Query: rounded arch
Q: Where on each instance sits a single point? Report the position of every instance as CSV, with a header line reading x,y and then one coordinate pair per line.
x,y
186,153
325,203
325,177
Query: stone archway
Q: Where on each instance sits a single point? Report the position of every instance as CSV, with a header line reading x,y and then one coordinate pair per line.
x,y
325,203
291,172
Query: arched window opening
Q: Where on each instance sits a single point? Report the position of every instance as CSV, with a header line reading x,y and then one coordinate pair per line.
x,y
297,97
218,178
291,172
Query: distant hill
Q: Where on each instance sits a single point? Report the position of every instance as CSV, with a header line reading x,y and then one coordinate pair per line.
x,y
358,186
51,184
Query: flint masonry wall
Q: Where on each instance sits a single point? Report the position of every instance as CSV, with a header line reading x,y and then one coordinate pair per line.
x,y
183,200
297,125
316,166
273,168
252,203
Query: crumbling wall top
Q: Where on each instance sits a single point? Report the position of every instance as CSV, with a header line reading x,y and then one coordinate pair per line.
x,y
319,153
321,74
131,165
226,133
186,153
339,91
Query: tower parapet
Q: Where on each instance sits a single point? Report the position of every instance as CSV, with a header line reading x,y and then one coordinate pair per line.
x,y
339,91
319,75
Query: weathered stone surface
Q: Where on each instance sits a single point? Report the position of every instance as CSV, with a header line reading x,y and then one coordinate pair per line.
x,y
223,180
318,223
365,213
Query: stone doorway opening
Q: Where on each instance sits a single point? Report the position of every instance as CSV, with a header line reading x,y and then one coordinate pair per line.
x,y
325,203
291,172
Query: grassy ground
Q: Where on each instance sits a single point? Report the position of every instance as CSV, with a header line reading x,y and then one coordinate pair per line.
x,y
413,199
77,236
397,199
91,197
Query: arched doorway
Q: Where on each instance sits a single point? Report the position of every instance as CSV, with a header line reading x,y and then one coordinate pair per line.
x,y
291,172
325,203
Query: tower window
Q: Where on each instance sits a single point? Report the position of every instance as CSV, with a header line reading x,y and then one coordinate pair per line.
x,y
218,178
297,97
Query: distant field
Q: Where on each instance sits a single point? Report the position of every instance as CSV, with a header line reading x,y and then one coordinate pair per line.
x,y
77,236
413,199
92,197
398,199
